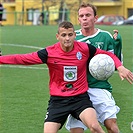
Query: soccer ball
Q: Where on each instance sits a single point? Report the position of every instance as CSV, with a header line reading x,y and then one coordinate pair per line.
x,y
101,66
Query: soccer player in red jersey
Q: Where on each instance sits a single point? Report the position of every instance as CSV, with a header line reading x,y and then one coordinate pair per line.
x,y
67,61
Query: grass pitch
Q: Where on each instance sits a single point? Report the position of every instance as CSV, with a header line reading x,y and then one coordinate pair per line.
x,y
24,90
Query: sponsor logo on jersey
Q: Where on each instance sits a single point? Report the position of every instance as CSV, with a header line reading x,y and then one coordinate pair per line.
x,y
70,73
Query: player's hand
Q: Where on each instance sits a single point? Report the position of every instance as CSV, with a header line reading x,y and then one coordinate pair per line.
x,y
115,34
124,73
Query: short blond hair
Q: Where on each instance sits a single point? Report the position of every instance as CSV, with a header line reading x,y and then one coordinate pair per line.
x,y
84,5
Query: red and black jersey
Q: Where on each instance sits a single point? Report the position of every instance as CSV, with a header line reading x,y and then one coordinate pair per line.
x,y
67,70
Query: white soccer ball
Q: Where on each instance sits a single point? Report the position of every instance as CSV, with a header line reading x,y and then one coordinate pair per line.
x,y
101,66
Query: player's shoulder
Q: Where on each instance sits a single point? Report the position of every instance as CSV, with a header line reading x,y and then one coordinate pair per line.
x,y
81,45
53,47
84,47
105,33
78,43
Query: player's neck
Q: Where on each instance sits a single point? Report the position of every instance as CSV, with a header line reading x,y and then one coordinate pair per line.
x,y
88,32
67,49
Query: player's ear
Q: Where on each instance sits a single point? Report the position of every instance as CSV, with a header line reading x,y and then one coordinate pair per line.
x,y
75,34
78,20
96,17
57,36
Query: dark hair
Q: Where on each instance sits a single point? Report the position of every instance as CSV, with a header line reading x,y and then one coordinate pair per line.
x,y
83,5
65,25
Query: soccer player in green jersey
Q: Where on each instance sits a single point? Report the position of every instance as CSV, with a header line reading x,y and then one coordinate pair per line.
x,y
99,91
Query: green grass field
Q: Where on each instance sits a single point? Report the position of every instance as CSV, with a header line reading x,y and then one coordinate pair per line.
x,y
24,90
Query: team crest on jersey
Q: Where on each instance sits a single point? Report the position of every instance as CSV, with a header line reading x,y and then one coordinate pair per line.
x,y
88,42
99,45
79,56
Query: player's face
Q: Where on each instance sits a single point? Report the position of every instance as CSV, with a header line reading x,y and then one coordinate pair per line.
x,y
66,38
86,17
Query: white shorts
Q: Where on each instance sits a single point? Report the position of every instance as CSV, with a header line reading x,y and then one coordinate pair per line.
x,y
104,105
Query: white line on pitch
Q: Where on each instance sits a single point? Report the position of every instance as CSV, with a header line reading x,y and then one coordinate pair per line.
x,y
19,45
26,67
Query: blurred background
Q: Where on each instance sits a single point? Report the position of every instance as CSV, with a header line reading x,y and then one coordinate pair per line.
x,y
52,12
29,25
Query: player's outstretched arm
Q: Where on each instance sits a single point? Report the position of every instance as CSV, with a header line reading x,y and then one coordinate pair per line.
x,y
21,59
124,73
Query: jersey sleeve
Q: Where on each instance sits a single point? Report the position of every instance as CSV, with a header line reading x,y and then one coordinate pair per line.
x,y
21,59
43,55
113,56
92,51
110,46
118,47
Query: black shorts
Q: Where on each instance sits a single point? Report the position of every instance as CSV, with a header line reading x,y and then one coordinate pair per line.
x,y
60,107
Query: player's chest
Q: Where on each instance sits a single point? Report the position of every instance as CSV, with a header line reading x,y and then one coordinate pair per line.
x,y
96,43
59,60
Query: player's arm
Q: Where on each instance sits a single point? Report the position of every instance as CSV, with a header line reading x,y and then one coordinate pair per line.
x,y
23,59
124,73
94,51
118,45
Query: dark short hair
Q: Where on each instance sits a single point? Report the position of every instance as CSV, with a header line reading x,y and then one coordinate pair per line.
x,y
83,5
65,25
